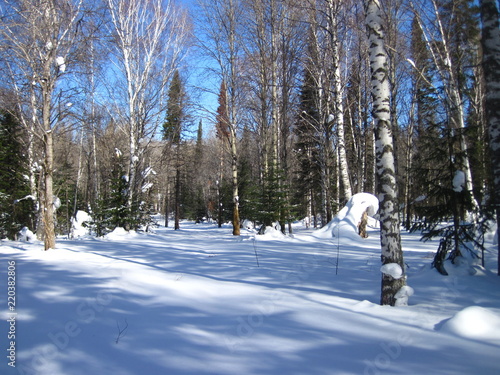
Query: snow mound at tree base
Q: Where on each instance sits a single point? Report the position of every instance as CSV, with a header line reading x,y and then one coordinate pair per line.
x,y
345,224
475,322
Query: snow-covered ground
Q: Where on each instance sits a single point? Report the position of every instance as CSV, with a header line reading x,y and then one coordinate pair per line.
x,y
201,301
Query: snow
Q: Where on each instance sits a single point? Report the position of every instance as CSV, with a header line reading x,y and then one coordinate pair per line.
x,y
247,224
272,232
195,302
57,203
146,187
392,269
346,222
412,63
32,197
403,294
475,322
420,198
119,234
148,171
78,229
61,63
26,235
459,181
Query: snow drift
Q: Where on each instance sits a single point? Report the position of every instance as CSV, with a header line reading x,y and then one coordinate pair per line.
x,y
347,220
196,302
475,322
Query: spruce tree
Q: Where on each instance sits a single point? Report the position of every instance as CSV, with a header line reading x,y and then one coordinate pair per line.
x,y
176,110
172,132
16,206
111,208
442,150
308,174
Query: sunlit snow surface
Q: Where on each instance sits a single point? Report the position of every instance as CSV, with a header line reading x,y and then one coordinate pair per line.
x,y
201,301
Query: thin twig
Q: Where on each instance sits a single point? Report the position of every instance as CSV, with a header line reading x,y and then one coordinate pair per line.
x,y
121,331
255,250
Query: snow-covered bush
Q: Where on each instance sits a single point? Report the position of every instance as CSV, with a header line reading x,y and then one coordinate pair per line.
x,y
79,224
26,235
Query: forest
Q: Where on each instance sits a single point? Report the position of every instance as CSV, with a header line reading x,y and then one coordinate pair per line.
x,y
269,111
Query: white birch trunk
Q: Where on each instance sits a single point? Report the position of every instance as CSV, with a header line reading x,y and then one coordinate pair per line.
x,y
338,96
387,187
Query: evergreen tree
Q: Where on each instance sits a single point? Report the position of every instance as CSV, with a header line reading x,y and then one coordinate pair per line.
x,y
248,181
308,174
173,126
198,154
16,206
272,203
199,198
429,149
111,209
442,156
176,110
117,208
226,132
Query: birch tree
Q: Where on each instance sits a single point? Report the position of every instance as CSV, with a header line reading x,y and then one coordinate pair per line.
x,y
438,42
390,238
221,43
43,41
318,64
333,12
491,65
150,41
